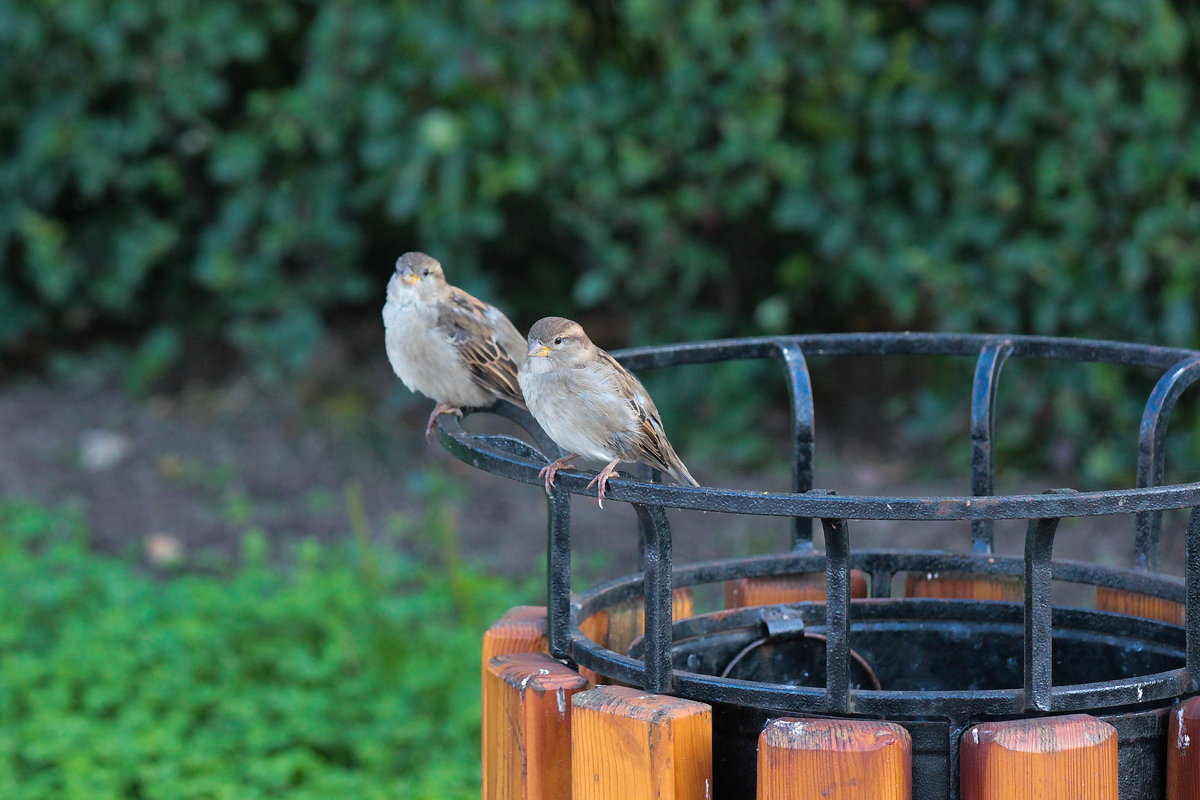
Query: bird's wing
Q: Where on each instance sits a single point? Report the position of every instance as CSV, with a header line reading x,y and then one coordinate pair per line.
x,y
506,333
477,333
647,440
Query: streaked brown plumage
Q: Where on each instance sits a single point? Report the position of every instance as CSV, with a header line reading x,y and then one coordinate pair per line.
x,y
446,344
591,406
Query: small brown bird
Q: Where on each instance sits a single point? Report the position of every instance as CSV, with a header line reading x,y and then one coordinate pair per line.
x,y
446,344
591,406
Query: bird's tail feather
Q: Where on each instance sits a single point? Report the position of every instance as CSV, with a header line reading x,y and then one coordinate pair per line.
x,y
681,475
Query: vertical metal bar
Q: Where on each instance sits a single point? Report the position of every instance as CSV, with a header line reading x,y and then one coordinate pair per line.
x,y
657,584
1151,455
983,421
881,582
649,474
837,614
558,539
958,726
1039,611
558,573
1192,613
803,436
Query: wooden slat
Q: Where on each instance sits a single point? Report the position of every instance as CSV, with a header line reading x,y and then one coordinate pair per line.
x,y
621,624
1139,605
527,727
1051,758
625,623
768,590
630,745
963,586
834,759
595,628
1183,751
522,629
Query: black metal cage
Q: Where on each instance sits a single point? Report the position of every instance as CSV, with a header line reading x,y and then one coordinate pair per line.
x,y
963,661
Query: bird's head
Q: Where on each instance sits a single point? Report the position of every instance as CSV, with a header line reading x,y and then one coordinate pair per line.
x,y
416,273
557,342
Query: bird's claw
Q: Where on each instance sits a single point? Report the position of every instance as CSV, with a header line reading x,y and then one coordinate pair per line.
x,y
548,472
599,482
438,410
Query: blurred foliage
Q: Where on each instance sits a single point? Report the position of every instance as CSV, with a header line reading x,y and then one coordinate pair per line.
x,y
351,671
236,170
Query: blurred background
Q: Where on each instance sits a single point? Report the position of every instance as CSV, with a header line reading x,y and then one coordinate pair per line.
x,y
230,565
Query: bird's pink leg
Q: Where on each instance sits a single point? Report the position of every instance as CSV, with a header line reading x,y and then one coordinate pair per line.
x,y
438,410
602,478
548,472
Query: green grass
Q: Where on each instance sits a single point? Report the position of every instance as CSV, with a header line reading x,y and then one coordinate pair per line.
x,y
349,671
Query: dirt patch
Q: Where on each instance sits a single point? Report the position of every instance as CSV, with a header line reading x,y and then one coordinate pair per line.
x,y
203,465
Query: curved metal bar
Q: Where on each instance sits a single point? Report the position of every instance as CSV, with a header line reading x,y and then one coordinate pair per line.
x,y
983,419
1152,455
822,344
803,436
932,611
473,450
622,589
1090,697
798,506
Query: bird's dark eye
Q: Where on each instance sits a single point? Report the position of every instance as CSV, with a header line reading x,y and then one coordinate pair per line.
x,y
558,340
425,272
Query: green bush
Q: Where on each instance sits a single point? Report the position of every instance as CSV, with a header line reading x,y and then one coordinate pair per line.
x,y
351,673
240,168
236,171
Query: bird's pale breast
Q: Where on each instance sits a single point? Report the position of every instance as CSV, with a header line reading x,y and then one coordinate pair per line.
x,y
579,411
424,359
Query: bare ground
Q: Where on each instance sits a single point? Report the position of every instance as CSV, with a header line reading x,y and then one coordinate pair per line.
x,y
185,475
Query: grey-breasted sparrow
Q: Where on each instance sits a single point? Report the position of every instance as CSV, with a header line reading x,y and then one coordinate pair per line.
x,y
591,406
446,344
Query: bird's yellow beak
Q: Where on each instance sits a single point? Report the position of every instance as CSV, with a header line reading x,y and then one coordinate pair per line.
x,y
538,351
410,277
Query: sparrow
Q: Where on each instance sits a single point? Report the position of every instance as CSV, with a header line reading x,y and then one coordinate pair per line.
x,y
591,406
446,344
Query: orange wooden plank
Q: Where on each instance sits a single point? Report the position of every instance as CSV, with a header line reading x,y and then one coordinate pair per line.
x,y
527,727
963,585
521,629
627,620
625,623
768,590
834,759
630,745
595,628
1049,758
1139,605
1183,751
